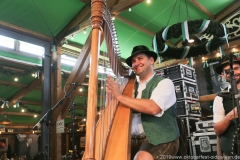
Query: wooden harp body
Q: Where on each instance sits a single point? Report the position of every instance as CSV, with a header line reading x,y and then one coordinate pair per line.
x,y
109,137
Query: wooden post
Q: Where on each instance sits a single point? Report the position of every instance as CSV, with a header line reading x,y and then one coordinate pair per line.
x,y
96,20
56,139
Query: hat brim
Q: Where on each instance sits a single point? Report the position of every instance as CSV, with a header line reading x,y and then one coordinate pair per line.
x,y
219,69
150,53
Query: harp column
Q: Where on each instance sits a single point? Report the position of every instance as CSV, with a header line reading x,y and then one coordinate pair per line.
x,y
97,21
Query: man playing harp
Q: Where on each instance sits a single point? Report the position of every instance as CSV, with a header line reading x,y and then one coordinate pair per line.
x,y
154,127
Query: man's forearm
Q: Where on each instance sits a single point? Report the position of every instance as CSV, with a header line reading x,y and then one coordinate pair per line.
x,y
222,126
147,106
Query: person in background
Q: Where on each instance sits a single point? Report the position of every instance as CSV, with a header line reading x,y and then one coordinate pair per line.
x,y
154,127
26,148
224,107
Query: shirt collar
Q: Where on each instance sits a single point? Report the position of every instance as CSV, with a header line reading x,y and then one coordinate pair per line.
x,y
138,80
229,87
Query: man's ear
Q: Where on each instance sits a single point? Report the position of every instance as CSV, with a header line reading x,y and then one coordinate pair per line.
x,y
152,60
223,75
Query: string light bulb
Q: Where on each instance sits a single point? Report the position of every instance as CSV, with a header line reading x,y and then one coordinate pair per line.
x,y
72,37
148,1
113,18
84,32
129,9
16,79
2,106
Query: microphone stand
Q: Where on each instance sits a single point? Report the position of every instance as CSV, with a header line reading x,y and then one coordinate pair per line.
x,y
235,96
72,111
47,120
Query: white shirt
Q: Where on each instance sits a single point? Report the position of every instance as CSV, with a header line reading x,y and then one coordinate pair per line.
x,y
163,95
218,109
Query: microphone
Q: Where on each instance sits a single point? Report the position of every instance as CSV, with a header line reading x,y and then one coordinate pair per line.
x,y
37,126
76,83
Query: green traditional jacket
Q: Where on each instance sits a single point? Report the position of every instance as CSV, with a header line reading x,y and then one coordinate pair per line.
x,y
227,137
162,129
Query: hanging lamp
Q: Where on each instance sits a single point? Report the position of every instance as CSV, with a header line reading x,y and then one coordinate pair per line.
x,y
5,120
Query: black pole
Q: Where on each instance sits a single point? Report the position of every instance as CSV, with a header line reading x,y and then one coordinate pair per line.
x,y
235,96
46,99
72,111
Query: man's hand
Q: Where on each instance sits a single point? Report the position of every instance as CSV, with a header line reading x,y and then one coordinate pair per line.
x,y
233,114
112,88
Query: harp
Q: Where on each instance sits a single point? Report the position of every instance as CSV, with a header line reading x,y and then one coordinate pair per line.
x,y
109,137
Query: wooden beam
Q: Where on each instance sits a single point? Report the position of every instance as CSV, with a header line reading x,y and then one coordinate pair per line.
x,y
82,17
24,31
22,92
31,102
112,3
85,24
202,8
168,63
78,74
223,14
15,84
21,114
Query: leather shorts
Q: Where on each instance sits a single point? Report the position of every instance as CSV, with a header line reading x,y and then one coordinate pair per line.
x,y
161,151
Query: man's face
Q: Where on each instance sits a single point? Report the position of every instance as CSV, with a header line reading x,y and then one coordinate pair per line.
x,y
142,64
236,69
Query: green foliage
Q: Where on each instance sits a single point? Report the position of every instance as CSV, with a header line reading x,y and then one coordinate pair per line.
x,y
208,80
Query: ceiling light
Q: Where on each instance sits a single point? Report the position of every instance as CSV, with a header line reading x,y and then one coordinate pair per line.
x,y
5,120
16,105
193,40
4,104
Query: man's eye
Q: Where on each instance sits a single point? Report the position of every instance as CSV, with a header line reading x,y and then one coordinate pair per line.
x,y
227,71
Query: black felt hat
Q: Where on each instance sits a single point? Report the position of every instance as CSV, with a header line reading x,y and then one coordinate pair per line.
x,y
140,49
225,61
